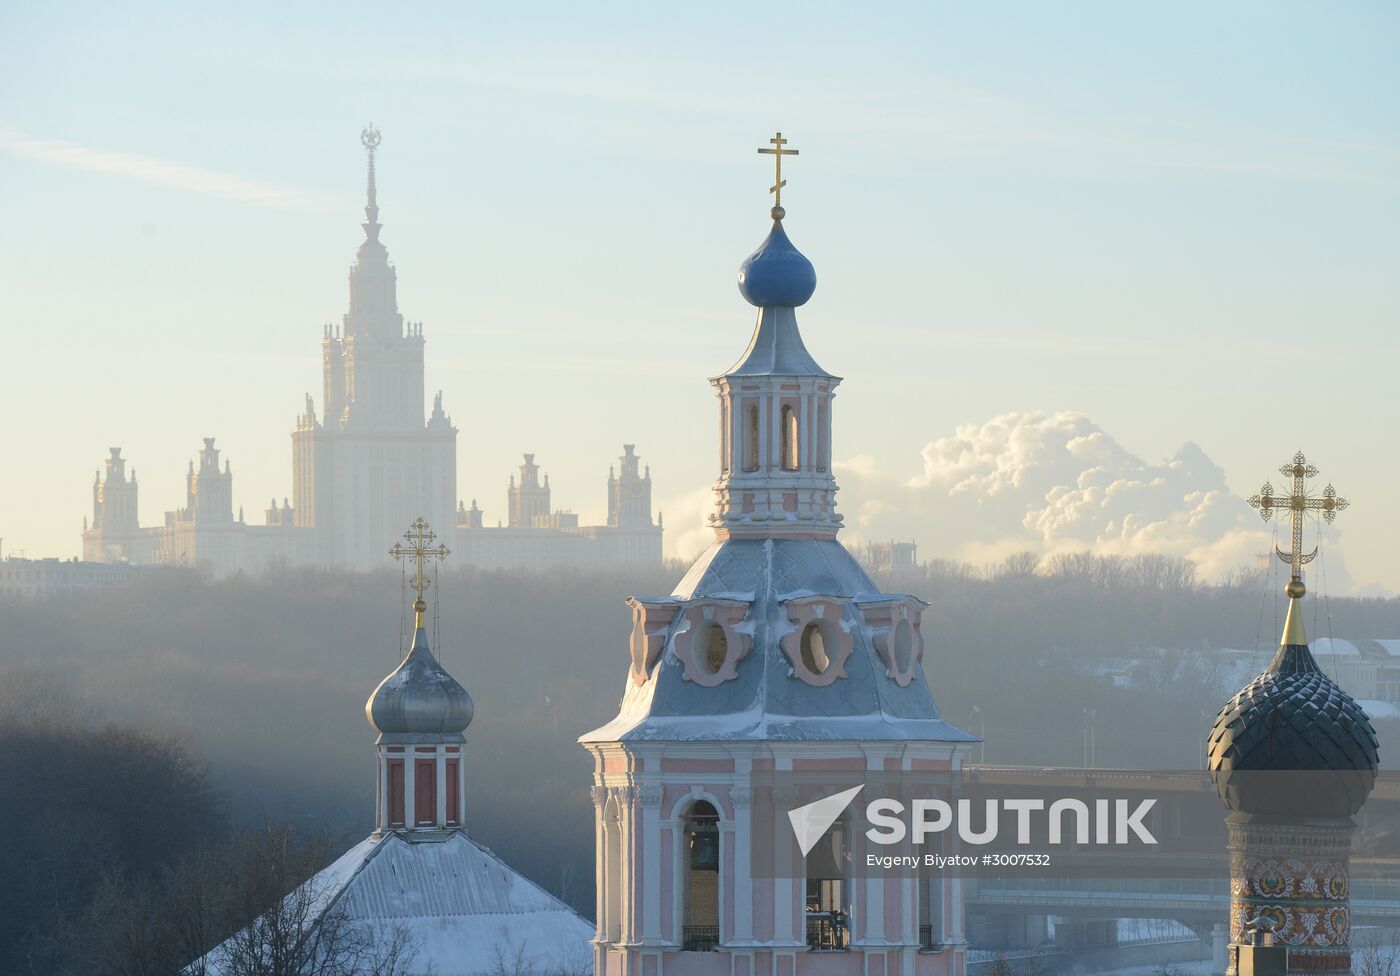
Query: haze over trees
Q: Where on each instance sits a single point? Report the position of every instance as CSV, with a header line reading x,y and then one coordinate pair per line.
x,y
148,728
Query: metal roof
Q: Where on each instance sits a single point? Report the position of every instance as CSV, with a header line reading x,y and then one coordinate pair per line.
x,y
765,700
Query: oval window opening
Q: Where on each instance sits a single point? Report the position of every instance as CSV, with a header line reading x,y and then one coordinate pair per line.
x,y
903,647
716,649
814,656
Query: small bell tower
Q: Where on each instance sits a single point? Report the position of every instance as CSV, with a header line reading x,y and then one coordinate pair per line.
x,y
420,712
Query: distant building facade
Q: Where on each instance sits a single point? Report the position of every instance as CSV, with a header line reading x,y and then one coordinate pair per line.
x,y
537,537
368,462
888,557
30,578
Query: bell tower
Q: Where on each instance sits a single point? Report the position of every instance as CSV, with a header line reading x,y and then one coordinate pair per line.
x,y
774,659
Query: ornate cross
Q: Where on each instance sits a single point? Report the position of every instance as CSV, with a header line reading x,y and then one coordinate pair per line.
x,y
1298,504
778,152
420,549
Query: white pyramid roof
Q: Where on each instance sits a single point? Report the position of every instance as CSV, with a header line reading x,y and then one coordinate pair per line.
x,y
469,912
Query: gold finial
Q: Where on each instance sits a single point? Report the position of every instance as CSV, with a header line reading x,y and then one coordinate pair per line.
x,y
778,152
1298,504
420,549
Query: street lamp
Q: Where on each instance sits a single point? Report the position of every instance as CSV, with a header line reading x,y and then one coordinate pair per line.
x,y
981,732
1089,715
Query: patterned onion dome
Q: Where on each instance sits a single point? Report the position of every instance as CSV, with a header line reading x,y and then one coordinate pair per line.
x,y
1293,719
420,696
777,274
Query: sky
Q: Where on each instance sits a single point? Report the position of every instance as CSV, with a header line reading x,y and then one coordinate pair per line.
x,y
1091,271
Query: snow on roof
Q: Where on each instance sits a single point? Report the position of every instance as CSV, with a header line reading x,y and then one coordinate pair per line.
x,y
765,701
468,912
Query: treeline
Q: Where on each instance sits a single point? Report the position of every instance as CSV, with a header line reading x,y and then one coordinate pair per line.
x,y
265,679
119,859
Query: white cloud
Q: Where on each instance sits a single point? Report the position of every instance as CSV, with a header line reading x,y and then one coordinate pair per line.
x,y
1046,482
162,172
1055,482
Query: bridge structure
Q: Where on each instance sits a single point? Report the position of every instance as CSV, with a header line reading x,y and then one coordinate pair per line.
x,y
1008,905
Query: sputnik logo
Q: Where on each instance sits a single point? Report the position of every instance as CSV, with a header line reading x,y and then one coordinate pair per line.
x,y
809,822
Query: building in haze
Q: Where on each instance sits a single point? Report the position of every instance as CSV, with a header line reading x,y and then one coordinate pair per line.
x,y
367,461
536,536
775,657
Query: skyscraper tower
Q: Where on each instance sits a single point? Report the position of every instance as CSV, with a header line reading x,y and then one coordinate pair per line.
x,y
629,492
371,462
775,655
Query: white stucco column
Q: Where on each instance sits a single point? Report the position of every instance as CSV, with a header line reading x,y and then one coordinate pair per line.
x,y
649,797
600,867
742,799
382,821
787,892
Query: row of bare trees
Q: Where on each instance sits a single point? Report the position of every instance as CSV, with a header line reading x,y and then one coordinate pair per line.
x,y
118,859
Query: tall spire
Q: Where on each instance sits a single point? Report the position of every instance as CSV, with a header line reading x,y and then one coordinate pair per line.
x,y
775,403
370,139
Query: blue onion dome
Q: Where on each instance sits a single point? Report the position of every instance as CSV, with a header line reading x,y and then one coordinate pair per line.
x,y
777,274
420,696
1293,744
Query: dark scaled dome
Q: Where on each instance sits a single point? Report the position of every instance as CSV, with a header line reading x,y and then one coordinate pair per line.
x,y
420,697
777,274
1293,744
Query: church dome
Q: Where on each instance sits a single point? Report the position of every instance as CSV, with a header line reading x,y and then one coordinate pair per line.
x,y
1293,719
777,274
420,697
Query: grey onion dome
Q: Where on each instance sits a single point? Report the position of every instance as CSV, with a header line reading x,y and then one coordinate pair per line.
x,y
420,696
1293,743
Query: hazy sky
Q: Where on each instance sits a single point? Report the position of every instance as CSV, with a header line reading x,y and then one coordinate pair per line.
x,y
1181,221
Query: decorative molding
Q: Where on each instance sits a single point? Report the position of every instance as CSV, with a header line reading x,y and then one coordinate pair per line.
x,y
700,616
741,797
826,613
650,621
650,795
884,619
599,795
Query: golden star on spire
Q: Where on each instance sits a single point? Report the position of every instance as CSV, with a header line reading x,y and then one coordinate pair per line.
x,y
421,550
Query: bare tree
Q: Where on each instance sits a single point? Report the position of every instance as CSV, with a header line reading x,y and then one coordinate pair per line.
x,y
297,927
1376,954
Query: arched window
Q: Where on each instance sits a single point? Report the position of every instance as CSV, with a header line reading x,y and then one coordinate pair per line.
x,y
828,901
751,461
930,895
716,648
700,856
823,436
790,452
814,654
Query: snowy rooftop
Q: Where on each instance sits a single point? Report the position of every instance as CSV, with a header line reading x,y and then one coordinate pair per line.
x,y
468,912
764,700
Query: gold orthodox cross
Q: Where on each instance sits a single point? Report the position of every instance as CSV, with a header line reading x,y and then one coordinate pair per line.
x,y
420,549
1298,504
778,152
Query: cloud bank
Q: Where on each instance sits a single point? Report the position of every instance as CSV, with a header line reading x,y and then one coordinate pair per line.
x,y
1046,482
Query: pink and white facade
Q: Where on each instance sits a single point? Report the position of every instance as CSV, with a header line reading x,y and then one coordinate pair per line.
x,y
773,658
